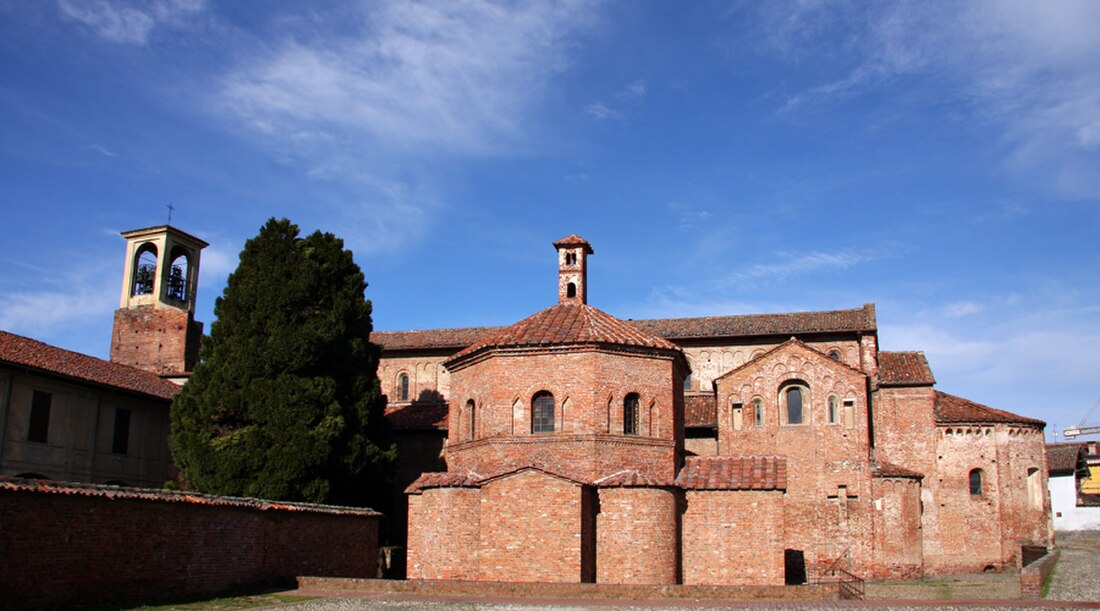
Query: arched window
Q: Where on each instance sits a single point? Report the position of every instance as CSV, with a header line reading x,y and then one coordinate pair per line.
x,y
178,271
145,270
794,402
630,414
687,382
976,482
571,290
834,354
833,410
403,387
472,415
757,412
542,412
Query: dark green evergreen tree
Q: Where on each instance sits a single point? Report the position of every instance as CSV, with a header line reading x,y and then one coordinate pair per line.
x,y
285,403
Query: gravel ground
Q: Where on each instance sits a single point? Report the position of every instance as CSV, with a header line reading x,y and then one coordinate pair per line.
x,y
1077,574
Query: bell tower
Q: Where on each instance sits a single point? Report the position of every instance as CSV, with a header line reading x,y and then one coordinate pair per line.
x,y
155,327
573,269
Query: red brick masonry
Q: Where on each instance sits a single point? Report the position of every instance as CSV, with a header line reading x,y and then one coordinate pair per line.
x,y
66,544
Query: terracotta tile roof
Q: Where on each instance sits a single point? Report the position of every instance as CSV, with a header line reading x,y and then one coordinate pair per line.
x,y
951,409
418,417
575,240
700,410
881,468
432,339
859,319
631,478
25,352
1065,458
904,369
733,473
568,324
793,323
444,480
153,494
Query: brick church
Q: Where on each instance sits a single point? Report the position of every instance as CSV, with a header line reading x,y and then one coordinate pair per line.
x,y
574,446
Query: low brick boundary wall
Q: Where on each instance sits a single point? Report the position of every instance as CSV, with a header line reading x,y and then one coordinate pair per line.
x,y
568,591
1033,575
65,545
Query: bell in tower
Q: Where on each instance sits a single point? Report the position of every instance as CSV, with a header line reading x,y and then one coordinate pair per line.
x,y
155,327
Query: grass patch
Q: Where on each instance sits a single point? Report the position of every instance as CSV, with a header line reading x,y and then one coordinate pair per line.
x,y
1050,579
229,603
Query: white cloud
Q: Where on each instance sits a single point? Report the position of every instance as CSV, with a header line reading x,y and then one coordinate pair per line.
x,y
689,217
962,308
795,264
623,99
456,76
128,22
601,111
1028,69
77,296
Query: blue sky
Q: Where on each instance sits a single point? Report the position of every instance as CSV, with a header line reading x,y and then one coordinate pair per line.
x,y
939,159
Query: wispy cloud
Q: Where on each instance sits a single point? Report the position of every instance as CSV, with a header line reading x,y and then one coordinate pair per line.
x,y
75,297
414,77
689,217
128,22
962,308
797,264
622,100
101,150
1028,69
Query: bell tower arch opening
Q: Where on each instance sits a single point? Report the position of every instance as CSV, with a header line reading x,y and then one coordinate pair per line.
x,y
155,327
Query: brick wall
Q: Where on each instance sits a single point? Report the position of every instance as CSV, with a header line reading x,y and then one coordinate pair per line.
x,y
444,526
68,544
637,536
532,529
718,527
160,340
1033,575
976,531
897,543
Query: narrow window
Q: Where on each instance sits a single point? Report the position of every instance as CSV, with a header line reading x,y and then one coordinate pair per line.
x,y
1034,489
571,290
542,413
120,443
473,418
403,387
39,428
832,411
738,418
687,382
630,414
757,412
976,482
794,405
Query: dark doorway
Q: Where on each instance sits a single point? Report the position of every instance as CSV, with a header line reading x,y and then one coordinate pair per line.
x,y
794,567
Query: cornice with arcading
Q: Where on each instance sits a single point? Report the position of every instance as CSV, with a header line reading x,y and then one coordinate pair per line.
x,y
562,439
606,348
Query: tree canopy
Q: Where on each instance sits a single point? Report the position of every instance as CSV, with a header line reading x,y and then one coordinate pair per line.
x,y
285,402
